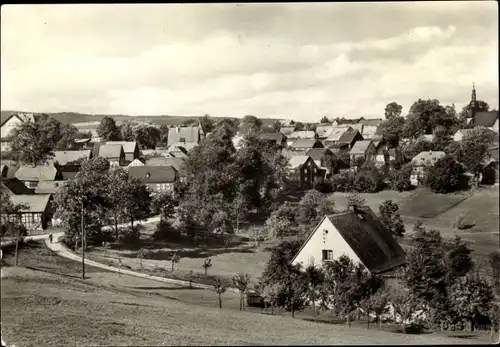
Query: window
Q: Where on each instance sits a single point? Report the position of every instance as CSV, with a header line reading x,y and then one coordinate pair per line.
x,y
327,254
182,139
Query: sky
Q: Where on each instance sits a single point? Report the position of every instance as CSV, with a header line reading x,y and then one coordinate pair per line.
x,y
298,61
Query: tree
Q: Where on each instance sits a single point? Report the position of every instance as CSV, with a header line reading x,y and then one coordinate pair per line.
x,y
458,259
299,126
313,205
368,179
405,305
293,289
494,261
146,135
400,179
116,198
137,201
174,258
281,255
12,225
393,110
207,264
473,149
279,223
207,124
164,205
314,280
377,304
98,165
424,116
219,287
391,219
66,137
471,297
354,200
250,124
189,122
324,119
391,130
241,281
107,129
164,129
127,131
441,139
141,255
32,143
445,175
277,126
270,293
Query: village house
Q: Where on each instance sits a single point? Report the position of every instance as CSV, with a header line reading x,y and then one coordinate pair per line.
x,y
8,168
38,212
488,119
177,152
113,153
159,179
9,124
357,234
304,170
178,163
461,133
130,148
386,156
345,141
49,187
154,153
332,136
69,163
287,130
420,162
306,144
370,126
364,149
12,186
31,175
302,134
277,139
323,158
135,162
324,130
185,136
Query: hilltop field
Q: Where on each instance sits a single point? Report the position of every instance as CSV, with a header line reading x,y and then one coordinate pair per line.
x,y
45,302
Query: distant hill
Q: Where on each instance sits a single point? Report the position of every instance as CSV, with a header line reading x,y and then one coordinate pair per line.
x,y
73,117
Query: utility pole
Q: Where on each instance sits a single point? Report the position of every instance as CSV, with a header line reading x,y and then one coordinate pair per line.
x,y
83,246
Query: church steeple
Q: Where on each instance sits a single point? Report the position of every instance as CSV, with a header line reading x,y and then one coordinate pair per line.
x,y
473,96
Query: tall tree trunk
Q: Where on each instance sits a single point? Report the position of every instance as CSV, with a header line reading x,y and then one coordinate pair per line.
x,y
172,266
206,271
116,228
17,252
241,301
132,224
349,319
379,320
359,313
368,320
220,301
272,310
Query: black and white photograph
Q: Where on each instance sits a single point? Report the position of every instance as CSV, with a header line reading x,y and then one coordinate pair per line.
x,y
303,173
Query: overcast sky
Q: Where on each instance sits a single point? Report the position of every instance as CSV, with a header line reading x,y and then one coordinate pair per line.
x,y
298,61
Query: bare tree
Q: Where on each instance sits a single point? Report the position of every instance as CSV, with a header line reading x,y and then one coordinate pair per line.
x,y
241,281
174,258
219,287
207,263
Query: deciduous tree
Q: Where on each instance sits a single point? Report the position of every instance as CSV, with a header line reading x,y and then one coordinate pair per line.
x,y
445,175
219,287
33,142
405,305
390,218
393,110
108,130
241,281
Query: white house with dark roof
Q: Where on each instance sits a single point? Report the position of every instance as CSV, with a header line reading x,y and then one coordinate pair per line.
x,y
113,153
38,212
304,170
358,235
422,160
362,149
370,127
159,179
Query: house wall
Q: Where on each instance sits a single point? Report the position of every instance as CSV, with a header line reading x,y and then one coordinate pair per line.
x,y
32,221
312,252
458,136
495,126
161,187
417,175
6,130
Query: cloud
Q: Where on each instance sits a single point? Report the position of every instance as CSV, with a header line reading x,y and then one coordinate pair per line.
x,y
231,61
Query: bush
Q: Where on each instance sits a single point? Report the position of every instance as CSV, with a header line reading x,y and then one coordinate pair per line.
x,y
165,231
342,182
368,180
400,179
324,187
130,237
460,222
444,176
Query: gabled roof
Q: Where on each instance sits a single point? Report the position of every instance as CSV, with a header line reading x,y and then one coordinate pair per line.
x,y
337,132
305,143
348,137
318,153
360,147
190,134
287,130
128,146
35,203
427,158
135,162
178,163
368,238
49,187
154,174
22,116
485,119
323,131
67,157
110,151
37,173
15,186
303,134
278,137
297,161
370,122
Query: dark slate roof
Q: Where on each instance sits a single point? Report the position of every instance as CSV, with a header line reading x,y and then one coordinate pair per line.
x,y
318,153
371,121
110,151
368,238
485,119
348,137
154,174
37,173
278,137
15,186
49,187
360,147
128,146
190,134
178,163
34,203
305,143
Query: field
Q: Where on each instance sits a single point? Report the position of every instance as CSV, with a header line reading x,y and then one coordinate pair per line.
x,y
48,304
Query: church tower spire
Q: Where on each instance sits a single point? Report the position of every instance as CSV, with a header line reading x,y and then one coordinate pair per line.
x,y
473,96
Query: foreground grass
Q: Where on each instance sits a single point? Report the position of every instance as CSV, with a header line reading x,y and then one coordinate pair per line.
x,y
55,307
